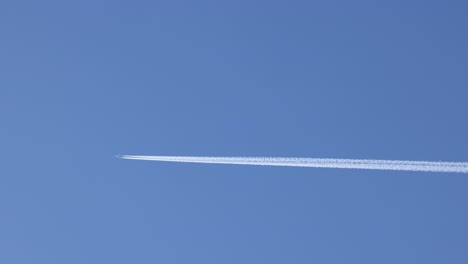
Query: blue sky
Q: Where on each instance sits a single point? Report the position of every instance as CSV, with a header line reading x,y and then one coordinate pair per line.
x,y
82,81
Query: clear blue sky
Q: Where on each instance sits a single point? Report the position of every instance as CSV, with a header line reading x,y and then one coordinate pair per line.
x,y
82,81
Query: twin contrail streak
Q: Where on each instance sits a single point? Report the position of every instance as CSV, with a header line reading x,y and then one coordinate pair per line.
x,y
398,165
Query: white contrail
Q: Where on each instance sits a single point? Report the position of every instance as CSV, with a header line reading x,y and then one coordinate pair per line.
x,y
401,165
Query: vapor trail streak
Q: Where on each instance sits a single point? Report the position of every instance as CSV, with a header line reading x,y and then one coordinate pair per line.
x,y
399,165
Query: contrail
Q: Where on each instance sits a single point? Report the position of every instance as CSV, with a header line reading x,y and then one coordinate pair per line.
x,y
398,165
